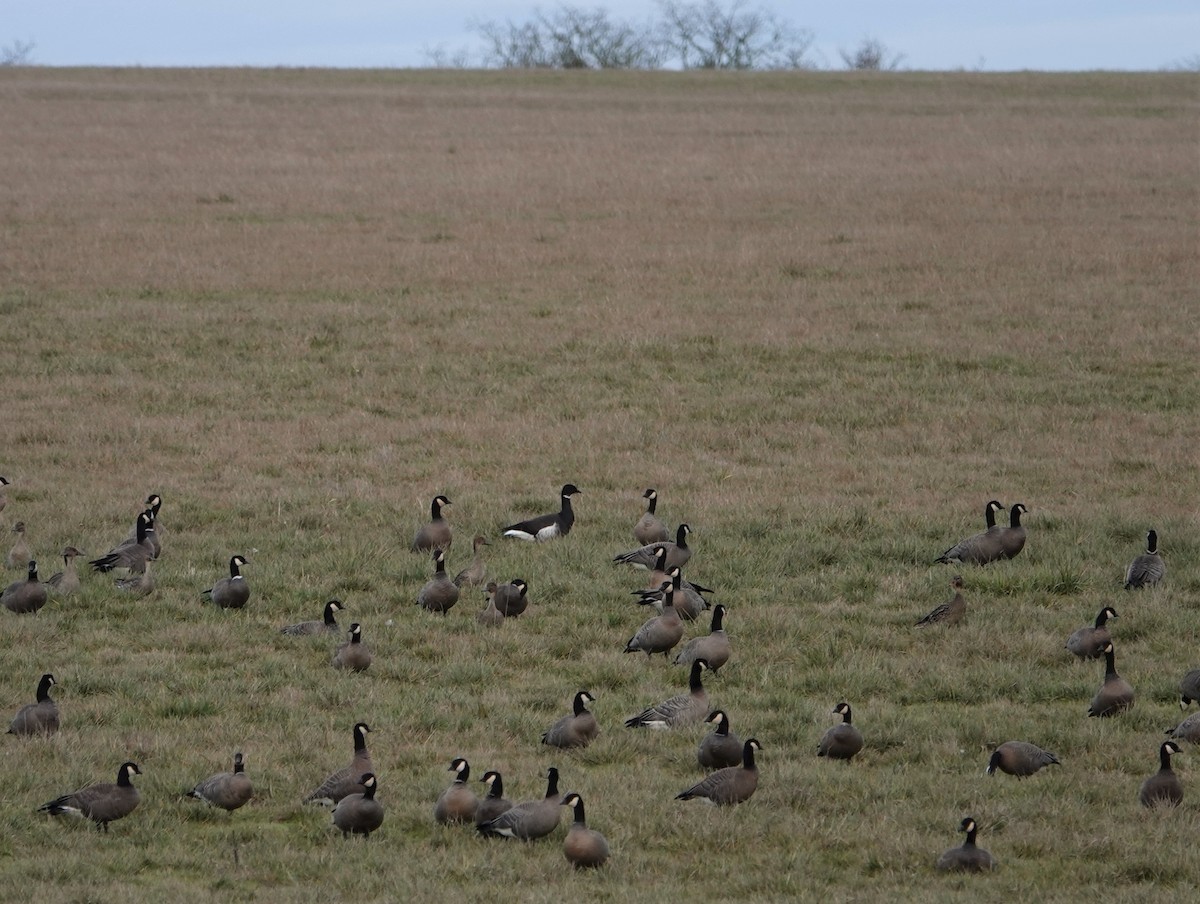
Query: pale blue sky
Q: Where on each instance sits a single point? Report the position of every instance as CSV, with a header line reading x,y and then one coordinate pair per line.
x,y
932,34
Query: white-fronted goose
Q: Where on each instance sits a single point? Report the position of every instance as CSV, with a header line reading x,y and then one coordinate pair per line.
x,y
131,553
661,633
66,582
650,528
439,593
19,555
512,599
1148,568
682,709
495,802
353,655
714,647
719,748
1163,788
981,548
530,820
731,785
950,613
678,552
231,592
346,781
138,584
457,803
578,729
1088,642
226,790
1115,694
1019,758
547,527
436,534
361,813
327,624
490,617
967,857
102,803
842,741
475,573
24,597
584,848
40,718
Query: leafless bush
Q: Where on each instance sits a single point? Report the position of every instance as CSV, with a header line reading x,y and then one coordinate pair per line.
x,y
707,35
872,55
569,38
17,53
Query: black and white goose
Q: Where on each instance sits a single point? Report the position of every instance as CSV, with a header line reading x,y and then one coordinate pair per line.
x,y
650,528
1148,568
678,552
532,819
40,718
359,813
102,803
325,625
981,548
547,527
436,534
457,803
24,597
731,785
226,790
682,709
231,592
132,553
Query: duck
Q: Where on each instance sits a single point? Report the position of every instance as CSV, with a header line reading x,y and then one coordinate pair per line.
x,y
578,729
359,813
1088,642
20,554
353,655
490,617
650,528
661,633
1012,538
102,803
228,791
731,785
713,647
66,582
24,597
327,624
512,599
547,527
981,548
231,592
138,584
677,711
719,748
1189,688
1163,788
436,534
1019,758
843,741
475,573
439,593
495,802
40,718
1148,568
348,780
678,553
584,848
132,554
950,613
967,857
1116,694
1187,730
530,820
458,802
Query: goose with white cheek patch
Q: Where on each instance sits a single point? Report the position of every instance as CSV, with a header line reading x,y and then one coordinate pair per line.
x,y
547,527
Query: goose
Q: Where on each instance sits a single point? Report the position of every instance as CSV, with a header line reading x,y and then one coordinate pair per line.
x,y
436,534
576,730
346,781
1187,730
1115,695
731,785
650,528
130,553
25,596
981,548
689,602
950,613
327,624
719,748
439,593
1019,758
714,647
4,484
1163,788
512,598
153,505
547,527
39,718
490,617
102,803
966,857
66,582
458,802
584,848
233,591
530,820
682,709
226,790
475,573
841,741
1189,688
1088,642
359,813
661,633
495,802
353,655
678,553
1148,568
1012,538
19,555
137,584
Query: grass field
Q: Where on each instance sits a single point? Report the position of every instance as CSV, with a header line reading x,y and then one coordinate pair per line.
x,y
827,316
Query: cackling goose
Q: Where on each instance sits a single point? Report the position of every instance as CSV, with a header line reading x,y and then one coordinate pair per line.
x,y
512,599
981,548
131,553
1088,642
1115,694
346,781
439,593
731,785
576,730
227,790
842,741
713,647
650,528
495,803
325,625
103,803
353,655
1163,788
458,802
719,748
1148,568
233,591
529,820
661,633
1019,758
682,709
39,718
436,534
583,847
360,813
25,596
966,857
678,552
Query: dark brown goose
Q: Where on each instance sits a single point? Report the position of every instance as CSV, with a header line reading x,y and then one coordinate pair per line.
x,y
547,527
436,534
584,848
731,785
967,857
495,802
66,582
950,613
327,624
1189,688
102,803
682,709
650,528
132,554
1012,538
714,647
1088,642
439,594
40,718
532,819
1115,694
24,597
353,655
719,748
578,729
457,803
1019,758
346,781
661,633
678,552
475,573
231,592
981,548
226,790
843,741
19,555
512,599
359,814
1163,788
1148,568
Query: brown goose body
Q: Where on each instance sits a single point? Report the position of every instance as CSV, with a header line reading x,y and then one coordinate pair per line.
x,y
153,505
102,803
458,803
353,655
714,647
436,534
234,591
495,802
682,709
578,729
1187,730
981,548
359,813
439,593
1088,642
138,584
967,857
1012,538
40,718
530,820
843,741
951,613
678,553
490,616
226,790
476,573
1115,694
1163,789
512,599
327,624
27,596
650,528
732,785
584,848
132,553
661,633
1020,758
1148,568
66,582
719,748
20,554
689,600
346,781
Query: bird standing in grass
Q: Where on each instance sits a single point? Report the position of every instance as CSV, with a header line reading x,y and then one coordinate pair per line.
x,y
475,573
967,857
226,790
1020,758
495,802
842,741
132,553
532,819
950,613
231,592
583,847
102,803
1115,694
650,528
439,593
578,729
1163,788
677,711
66,582
327,624
981,548
19,555
720,747
678,553
359,813
1088,642
1148,568
458,803
661,633
24,597
346,781
731,785
353,655
40,718
547,527
713,647
436,534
